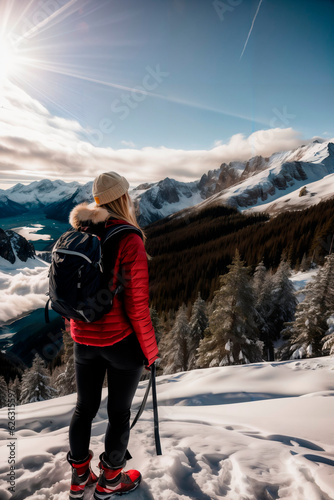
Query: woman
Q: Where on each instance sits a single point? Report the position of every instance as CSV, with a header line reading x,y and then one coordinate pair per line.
x,y
118,344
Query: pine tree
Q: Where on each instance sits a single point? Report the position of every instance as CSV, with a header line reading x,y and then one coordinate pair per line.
x,y
167,320
262,286
65,382
328,305
283,299
232,335
36,383
156,322
198,324
15,387
306,335
176,349
305,264
259,278
328,340
3,392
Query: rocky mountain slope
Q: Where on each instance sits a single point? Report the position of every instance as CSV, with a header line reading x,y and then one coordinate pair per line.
x,y
153,201
14,247
292,180
243,185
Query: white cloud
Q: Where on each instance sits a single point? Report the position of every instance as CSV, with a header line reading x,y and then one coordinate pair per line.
x,y
22,287
34,145
129,144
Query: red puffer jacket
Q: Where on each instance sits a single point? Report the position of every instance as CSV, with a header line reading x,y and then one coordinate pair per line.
x,y
130,310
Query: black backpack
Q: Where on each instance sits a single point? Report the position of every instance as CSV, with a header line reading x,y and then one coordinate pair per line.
x,y
78,285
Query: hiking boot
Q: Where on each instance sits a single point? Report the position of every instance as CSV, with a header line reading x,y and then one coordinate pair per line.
x,y
82,475
113,481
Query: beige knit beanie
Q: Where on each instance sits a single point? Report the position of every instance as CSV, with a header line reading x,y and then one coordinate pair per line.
x,y
108,187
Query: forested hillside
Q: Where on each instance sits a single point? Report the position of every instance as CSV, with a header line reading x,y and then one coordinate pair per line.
x,y
190,253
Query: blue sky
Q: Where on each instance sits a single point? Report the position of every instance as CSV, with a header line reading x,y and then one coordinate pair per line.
x,y
81,65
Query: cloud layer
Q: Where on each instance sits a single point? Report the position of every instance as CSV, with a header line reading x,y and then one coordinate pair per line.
x,y
22,287
35,145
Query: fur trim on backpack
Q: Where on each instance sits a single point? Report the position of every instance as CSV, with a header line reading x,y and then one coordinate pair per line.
x,y
87,214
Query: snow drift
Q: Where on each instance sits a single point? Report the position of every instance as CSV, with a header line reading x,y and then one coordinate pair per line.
x,y
250,432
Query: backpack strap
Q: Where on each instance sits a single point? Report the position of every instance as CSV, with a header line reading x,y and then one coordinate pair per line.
x,y
118,229
46,311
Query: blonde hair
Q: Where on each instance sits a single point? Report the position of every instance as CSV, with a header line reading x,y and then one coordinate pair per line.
x,y
123,208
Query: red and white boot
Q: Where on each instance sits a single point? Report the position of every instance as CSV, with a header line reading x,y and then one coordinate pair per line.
x,y
82,475
113,481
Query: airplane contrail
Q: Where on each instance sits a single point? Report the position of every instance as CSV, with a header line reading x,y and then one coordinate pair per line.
x,y
59,70
38,27
251,28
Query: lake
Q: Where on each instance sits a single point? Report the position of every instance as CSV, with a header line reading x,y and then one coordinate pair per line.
x,y
35,227
30,334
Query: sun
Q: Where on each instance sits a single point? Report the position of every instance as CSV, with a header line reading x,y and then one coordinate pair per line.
x,y
7,60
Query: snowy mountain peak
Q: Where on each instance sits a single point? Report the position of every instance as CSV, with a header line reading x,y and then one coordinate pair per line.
x,y
330,148
38,186
17,187
242,184
167,183
144,186
284,175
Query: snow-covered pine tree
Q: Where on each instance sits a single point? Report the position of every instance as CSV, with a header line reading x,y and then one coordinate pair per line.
x,y
198,324
35,384
328,340
259,278
283,299
328,305
306,334
262,286
15,387
65,382
176,348
3,392
232,335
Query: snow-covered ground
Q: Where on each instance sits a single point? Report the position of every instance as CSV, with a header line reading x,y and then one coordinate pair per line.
x,y
253,432
301,278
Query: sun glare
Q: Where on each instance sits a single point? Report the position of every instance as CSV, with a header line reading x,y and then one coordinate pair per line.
x,y
7,60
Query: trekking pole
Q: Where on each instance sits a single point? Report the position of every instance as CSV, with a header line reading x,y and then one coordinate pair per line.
x,y
151,383
155,411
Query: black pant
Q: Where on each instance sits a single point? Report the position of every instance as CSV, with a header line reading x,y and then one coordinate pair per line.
x,y
123,363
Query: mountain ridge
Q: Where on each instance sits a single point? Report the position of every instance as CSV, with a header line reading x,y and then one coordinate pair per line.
x,y
243,185
286,174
